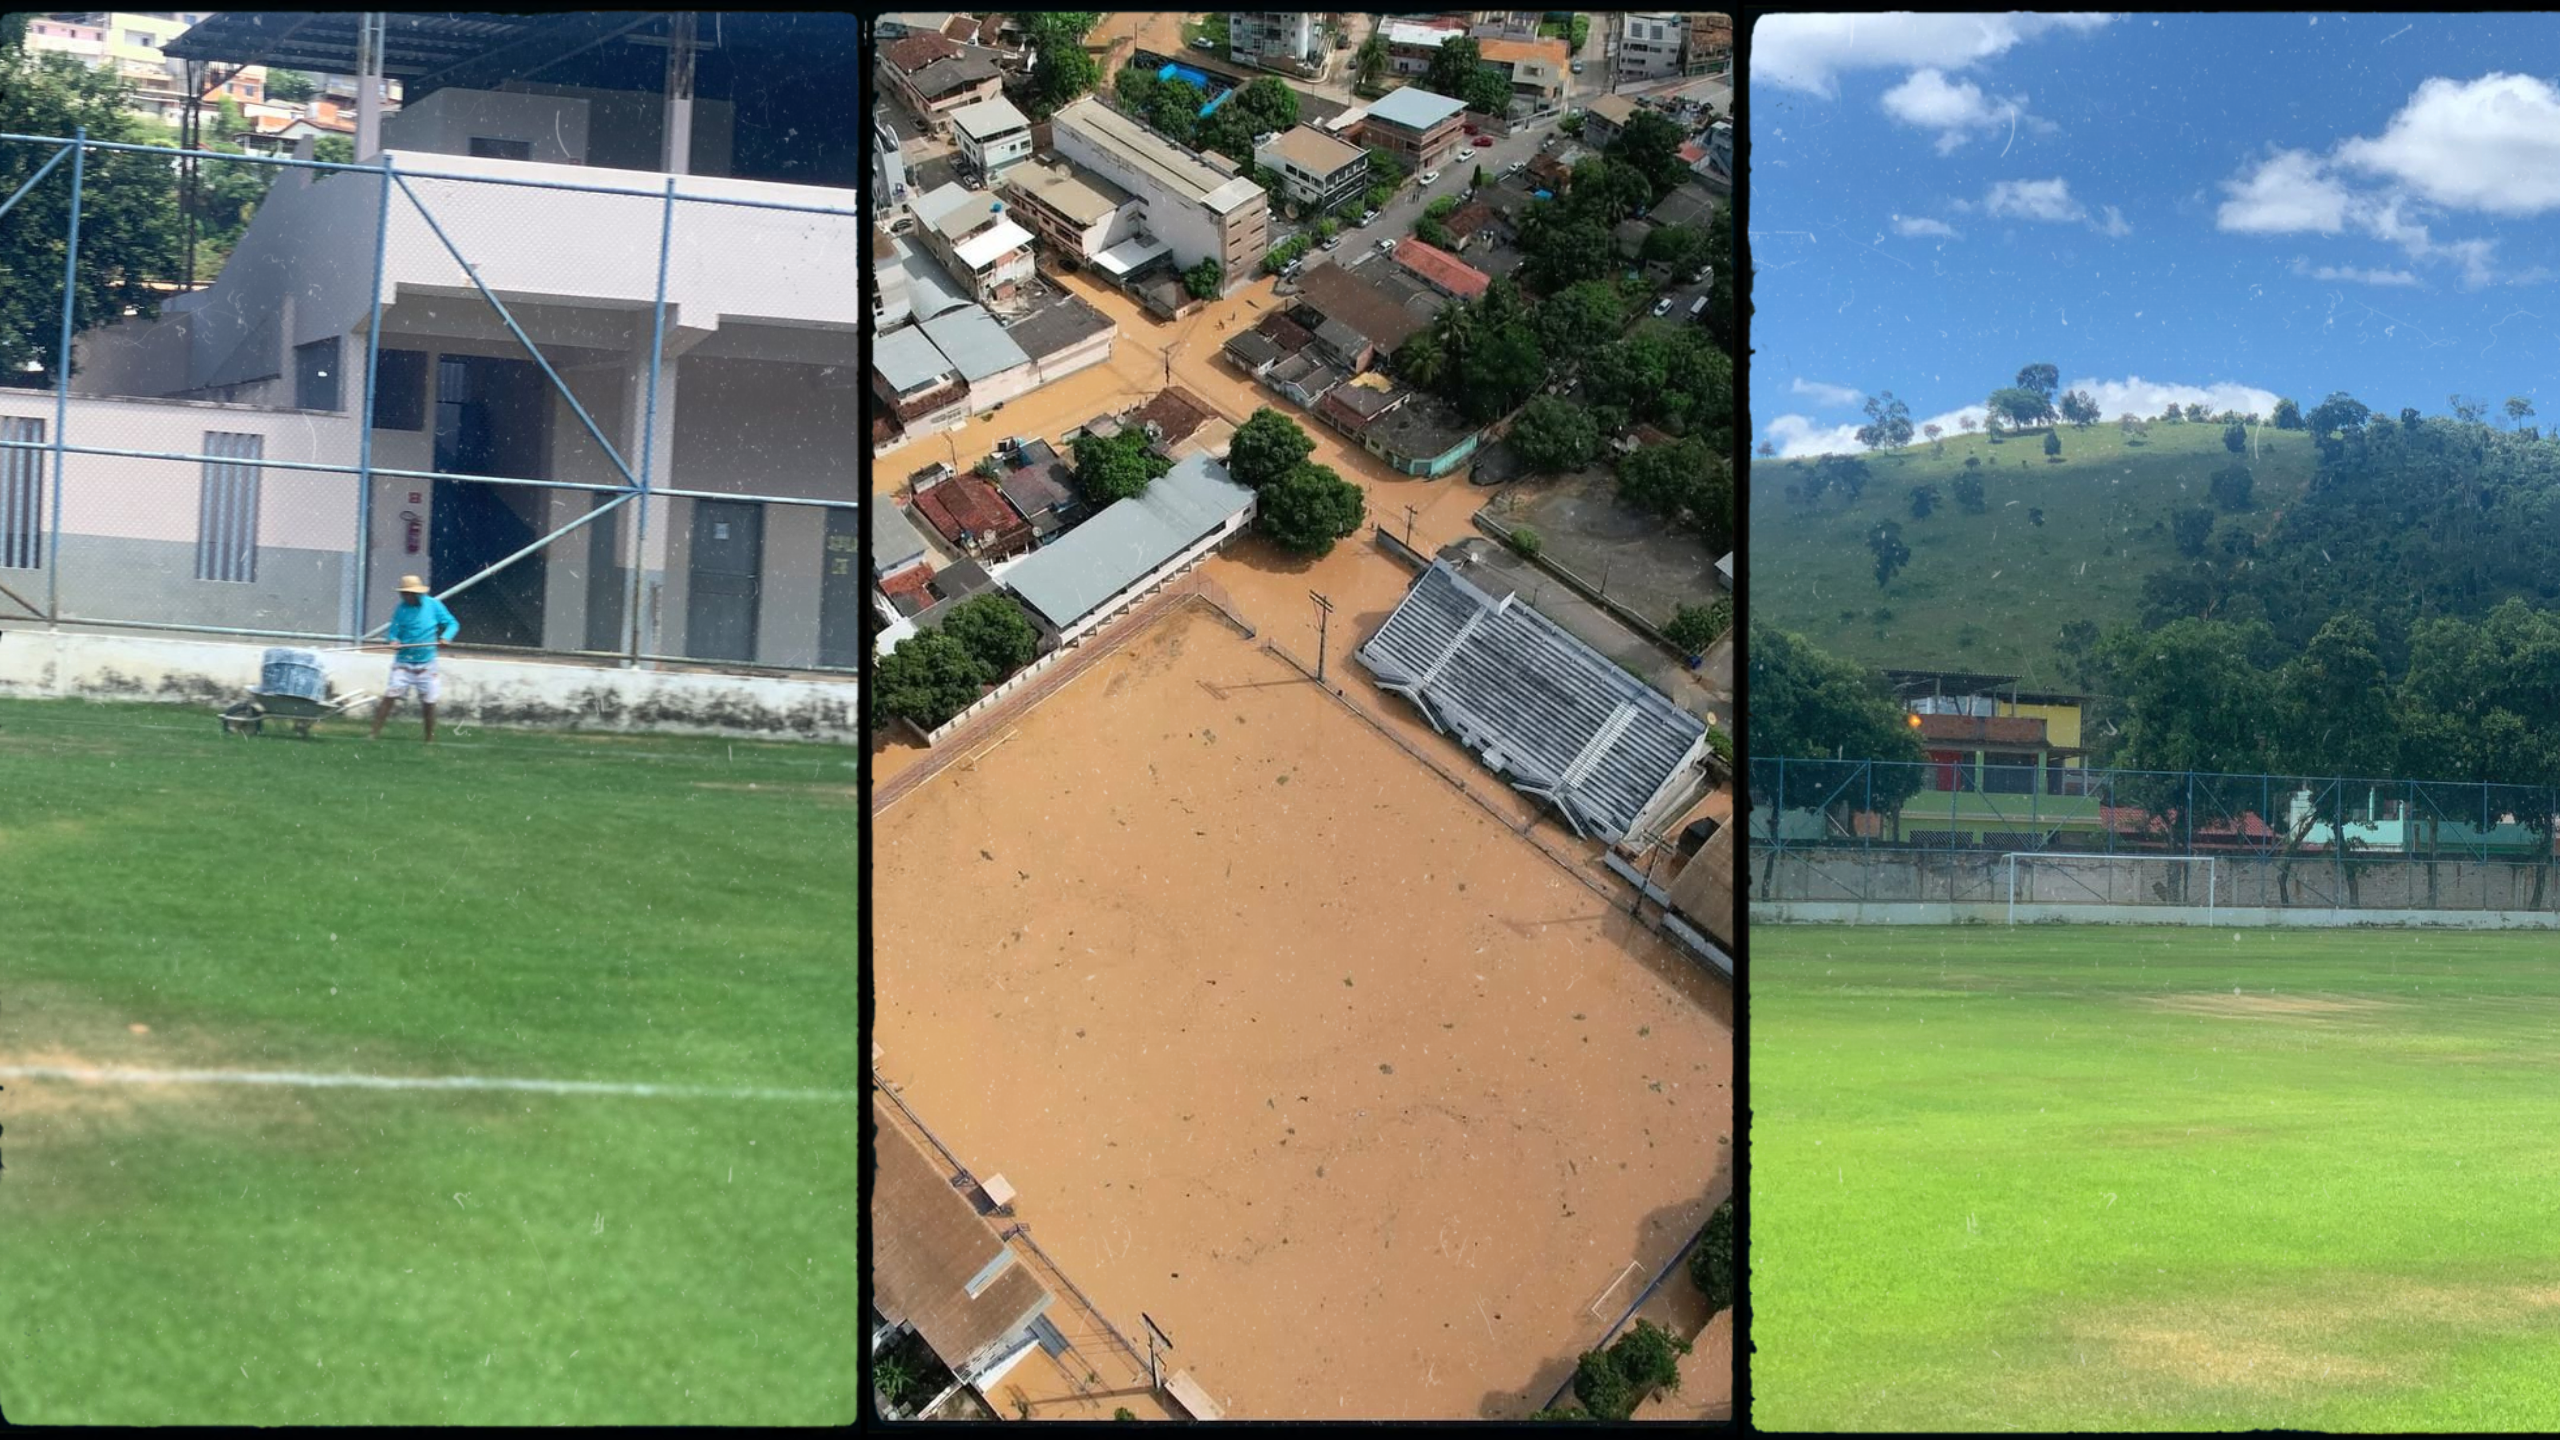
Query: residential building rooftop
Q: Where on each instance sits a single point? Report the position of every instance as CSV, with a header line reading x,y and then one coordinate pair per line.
x,y
1512,52
1142,149
1059,325
966,506
992,244
1175,412
936,1263
1442,269
917,51
977,345
1083,197
895,544
1337,294
908,359
1314,151
1414,108
1130,538
955,210
989,118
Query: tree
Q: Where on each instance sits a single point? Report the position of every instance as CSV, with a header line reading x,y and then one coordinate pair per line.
x,y
2230,488
2191,528
1684,482
2467,408
2080,409
1936,446
2041,377
2519,409
1888,423
1504,367
1369,62
290,87
1601,1388
2052,445
1554,435
1525,541
1924,501
1118,468
2196,414
1452,66
1965,423
1650,143
1711,1264
1884,541
1684,248
2288,415
2340,411
1968,492
1266,447
1695,627
1430,231
2191,694
994,630
1826,718
1649,1356
1060,68
129,213
2235,437
2020,406
1581,318
1310,508
929,678
1203,281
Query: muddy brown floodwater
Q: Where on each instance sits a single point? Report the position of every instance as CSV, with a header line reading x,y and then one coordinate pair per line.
x,y
1372,1106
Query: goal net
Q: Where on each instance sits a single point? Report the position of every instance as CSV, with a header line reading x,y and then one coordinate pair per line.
x,y
2046,885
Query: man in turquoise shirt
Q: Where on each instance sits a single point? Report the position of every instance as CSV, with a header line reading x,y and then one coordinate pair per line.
x,y
418,626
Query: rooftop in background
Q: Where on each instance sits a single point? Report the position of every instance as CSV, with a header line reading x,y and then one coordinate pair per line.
x,y
1129,539
1429,426
989,118
908,359
1144,150
1414,108
1544,710
894,541
1175,412
915,52
1338,294
1512,52
1442,269
977,345
1314,151
1080,195
955,209
936,1264
1058,325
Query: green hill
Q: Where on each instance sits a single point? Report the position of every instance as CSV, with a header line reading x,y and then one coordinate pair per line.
x,y
1993,591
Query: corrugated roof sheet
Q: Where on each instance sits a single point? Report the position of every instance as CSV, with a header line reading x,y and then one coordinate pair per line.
x,y
1130,538
894,541
928,1244
1542,709
908,359
977,345
1414,108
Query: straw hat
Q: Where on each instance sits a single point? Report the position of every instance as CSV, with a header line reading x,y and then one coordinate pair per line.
x,y
412,585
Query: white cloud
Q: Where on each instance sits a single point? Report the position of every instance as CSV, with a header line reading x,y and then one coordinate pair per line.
x,y
1808,52
1800,435
2113,227
2035,200
2291,191
1957,110
2491,145
1833,395
2351,275
1918,225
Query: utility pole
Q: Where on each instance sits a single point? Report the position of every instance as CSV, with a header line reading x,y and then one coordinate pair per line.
x,y
1324,617
1155,1334
1408,527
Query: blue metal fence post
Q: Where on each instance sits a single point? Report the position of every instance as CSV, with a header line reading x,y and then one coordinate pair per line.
x,y
364,422
62,380
649,416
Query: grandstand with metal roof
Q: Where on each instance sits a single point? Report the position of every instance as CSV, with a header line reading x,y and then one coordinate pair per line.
x,y
1552,716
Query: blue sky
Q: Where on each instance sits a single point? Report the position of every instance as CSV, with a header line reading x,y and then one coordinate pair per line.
x,y
2223,208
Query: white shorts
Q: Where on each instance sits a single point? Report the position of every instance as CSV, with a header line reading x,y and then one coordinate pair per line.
x,y
419,680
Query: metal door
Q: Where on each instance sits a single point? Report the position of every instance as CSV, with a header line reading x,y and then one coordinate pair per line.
x,y
840,604
726,571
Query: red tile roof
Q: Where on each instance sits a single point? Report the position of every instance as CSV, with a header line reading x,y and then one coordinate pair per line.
x,y
1442,269
1177,413
917,51
966,509
916,579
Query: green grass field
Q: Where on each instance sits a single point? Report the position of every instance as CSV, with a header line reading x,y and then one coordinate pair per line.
x,y
640,910
1990,591
2121,1179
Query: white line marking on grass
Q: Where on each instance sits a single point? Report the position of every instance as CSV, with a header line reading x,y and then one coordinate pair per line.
x,y
302,1079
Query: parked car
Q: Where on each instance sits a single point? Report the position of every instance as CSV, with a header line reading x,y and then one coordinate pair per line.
x,y
1332,241
1366,216
1698,307
1203,43
1662,306
1387,245
1577,67
1430,175
1483,141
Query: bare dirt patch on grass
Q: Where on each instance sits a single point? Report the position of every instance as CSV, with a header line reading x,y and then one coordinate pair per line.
x,y
2243,1006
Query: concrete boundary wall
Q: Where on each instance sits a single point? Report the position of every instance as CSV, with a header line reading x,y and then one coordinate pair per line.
x,y
1789,912
480,688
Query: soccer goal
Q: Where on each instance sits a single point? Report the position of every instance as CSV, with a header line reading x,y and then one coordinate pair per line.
x,y
2043,881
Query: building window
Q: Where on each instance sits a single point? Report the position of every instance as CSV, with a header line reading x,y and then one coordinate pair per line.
x,y
2009,773
484,148
227,508
21,495
139,41
315,375
400,390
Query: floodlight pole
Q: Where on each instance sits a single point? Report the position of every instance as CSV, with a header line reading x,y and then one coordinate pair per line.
x,y
1324,615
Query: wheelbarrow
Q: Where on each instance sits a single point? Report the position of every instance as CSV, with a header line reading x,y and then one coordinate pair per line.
x,y
291,690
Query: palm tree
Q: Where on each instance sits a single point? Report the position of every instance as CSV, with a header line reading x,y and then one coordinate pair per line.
x,y
896,1379
1370,60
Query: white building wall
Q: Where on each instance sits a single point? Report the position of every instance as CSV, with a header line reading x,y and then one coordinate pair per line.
x,y
1192,232
447,121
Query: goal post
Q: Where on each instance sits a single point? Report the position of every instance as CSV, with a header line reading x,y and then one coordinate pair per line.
x,y
2050,878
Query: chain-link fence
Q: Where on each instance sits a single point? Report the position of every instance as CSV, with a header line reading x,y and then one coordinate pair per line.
x,y
601,413
2024,805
